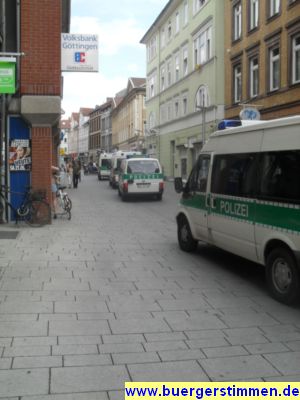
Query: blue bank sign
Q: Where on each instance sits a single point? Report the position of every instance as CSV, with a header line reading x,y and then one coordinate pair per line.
x,y
79,52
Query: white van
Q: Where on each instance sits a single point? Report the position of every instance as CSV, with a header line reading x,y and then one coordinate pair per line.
x,y
104,166
140,177
116,160
243,195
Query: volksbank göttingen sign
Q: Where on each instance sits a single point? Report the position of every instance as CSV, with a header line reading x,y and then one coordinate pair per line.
x,y
7,76
79,52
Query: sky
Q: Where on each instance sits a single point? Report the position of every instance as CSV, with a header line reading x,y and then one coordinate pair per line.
x,y
120,25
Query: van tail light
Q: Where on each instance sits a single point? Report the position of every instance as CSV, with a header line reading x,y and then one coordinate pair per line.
x,y
161,186
125,186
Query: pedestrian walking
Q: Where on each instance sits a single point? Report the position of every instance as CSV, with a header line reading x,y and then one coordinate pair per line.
x,y
76,173
70,174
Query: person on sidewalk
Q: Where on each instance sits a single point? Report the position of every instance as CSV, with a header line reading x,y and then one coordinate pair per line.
x,y
54,171
70,174
76,173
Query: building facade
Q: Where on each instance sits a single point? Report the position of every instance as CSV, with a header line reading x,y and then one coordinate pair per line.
x,y
83,134
94,134
185,81
32,29
65,126
262,57
129,117
106,125
73,136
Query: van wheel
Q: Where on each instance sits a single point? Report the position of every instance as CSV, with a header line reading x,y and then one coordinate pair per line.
x,y
159,196
185,238
283,276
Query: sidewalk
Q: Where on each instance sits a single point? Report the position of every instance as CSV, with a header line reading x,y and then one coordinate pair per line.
x,y
90,303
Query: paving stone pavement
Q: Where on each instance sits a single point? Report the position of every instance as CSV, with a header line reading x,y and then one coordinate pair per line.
x,y
108,297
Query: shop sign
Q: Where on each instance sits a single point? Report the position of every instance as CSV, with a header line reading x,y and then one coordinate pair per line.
x,y
79,52
7,77
250,113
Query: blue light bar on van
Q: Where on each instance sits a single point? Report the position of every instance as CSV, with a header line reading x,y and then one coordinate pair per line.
x,y
229,123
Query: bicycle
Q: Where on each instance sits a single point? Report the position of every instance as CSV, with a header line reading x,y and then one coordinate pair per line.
x,y
34,209
64,201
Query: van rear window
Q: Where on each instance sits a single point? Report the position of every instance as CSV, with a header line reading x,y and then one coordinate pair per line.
x,y
143,166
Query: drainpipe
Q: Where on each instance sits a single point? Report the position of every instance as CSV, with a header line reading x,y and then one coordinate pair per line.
x,y
3,104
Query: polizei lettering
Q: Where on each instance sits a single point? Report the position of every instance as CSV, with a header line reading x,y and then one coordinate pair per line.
x,y
234,209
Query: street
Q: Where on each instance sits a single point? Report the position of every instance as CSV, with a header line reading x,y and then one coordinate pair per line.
x,y
108,297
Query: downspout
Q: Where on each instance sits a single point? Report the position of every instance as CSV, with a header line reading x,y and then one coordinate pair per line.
x,y
18,16
3,103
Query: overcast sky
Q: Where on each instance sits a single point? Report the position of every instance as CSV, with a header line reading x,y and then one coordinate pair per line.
x,y
120,25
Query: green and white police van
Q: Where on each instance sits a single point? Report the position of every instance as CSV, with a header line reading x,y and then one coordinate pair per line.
x,y
104,166
116,160
141,177
243,195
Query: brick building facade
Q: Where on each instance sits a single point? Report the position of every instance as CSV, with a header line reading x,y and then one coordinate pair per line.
x,y
35,28
262,53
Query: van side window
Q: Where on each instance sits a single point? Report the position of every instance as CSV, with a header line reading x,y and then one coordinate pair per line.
x,y
280,176
235,174
198,179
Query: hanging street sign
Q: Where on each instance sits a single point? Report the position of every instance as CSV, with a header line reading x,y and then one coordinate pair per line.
x,y
7,75
79,52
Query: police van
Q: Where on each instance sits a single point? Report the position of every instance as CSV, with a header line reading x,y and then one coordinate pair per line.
x,y
243,195
104,166
141,177
116,160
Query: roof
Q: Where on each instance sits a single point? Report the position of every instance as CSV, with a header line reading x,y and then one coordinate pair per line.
x,y
137,82
65,123
153,27
85,111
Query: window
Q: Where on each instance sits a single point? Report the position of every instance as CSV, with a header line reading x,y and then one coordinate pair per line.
x,y
235,174
184,106
176,64
177,22
152,86
237,21
198,4
202,98
185,68
274,63
198,179
280,176
237,83
169,111
176,108
296,59
169,30
254,10
162,78
169,74
254,72
202,47
274,7
162,38
151,49
185,13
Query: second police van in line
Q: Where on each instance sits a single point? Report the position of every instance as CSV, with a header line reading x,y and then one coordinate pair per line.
x,y
141,177
243,195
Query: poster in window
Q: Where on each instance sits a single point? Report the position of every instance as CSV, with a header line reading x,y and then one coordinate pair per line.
x,y
19,155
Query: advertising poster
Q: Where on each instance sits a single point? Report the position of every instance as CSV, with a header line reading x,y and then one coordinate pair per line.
x,y
19,155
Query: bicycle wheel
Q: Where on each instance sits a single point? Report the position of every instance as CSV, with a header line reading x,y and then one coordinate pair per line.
x,y
39,213
67,203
